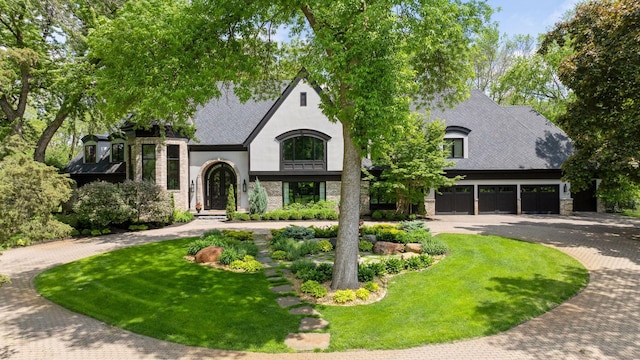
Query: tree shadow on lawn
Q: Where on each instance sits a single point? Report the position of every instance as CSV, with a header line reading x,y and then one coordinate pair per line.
x,y
520,299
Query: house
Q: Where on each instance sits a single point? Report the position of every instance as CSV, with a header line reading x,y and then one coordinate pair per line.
x,y
510,157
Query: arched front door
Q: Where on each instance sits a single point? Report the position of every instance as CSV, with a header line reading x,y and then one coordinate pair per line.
x,y
218,179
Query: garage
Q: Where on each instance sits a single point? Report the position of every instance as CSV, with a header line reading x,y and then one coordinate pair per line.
x,y
585,200
540,199
455,200
497,199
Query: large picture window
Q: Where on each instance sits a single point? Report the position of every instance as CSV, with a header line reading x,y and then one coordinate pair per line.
x,y
173,167
303,192
117,152
149,162
303,150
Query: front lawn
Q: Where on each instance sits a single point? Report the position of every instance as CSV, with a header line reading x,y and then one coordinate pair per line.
x,y
485,285
151,290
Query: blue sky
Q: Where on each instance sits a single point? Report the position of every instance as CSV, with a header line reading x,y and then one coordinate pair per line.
x,y
531,17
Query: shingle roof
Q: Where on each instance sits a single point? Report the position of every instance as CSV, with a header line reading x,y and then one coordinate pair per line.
x,y
228,121
103,166
506,138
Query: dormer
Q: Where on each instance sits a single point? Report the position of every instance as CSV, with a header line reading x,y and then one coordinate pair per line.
x,y
117,154
457,141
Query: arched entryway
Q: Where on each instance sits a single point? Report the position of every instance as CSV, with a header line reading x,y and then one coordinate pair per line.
x,y
216,186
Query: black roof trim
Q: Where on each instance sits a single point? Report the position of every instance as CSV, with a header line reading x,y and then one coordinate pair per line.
x,y
293,176
238,147
95,138
303,132
460,129
506,174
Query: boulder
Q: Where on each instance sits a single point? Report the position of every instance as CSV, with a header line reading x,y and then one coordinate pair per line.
x,y
370,238
209,254
408,255
387,248
413,247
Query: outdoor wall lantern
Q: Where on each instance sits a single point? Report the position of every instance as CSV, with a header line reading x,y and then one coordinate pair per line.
x,y
566,187
192,187
244,185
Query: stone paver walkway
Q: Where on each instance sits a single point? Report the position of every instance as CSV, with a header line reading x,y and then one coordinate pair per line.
x,y
602,322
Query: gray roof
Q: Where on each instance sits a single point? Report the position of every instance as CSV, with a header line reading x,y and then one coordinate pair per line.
x,y
228,121
103,166
506,138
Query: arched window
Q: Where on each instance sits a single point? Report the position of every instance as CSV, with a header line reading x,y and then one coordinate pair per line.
x,y
456,140
303,150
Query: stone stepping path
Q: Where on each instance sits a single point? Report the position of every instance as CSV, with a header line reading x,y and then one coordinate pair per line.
x,y
306,339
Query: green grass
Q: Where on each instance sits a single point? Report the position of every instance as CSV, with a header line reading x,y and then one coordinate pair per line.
x,y
631,212
486,285
152,290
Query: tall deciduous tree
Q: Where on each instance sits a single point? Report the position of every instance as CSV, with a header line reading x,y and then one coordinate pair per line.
x,y
161,58
602,70
43,65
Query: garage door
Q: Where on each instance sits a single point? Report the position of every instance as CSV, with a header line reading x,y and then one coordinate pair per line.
x,y
498,199
455,200
585,200
540,199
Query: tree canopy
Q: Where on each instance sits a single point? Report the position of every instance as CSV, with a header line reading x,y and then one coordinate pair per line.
x,y
159,59
602,70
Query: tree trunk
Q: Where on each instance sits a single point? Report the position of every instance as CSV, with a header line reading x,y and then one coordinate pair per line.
x,y
345,269
47,134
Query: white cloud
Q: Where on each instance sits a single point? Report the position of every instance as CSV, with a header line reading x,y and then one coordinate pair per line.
x,y
559,11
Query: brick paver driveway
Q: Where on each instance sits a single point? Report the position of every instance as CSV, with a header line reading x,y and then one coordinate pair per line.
x,y
602,322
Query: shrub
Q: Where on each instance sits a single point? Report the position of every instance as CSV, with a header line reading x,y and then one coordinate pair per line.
x,y
308,214
279,255
258,200
241,216
390,215
325,246
379,268
74,232
255,217
182,216
391,235
325,271
236,264
197,245
410,226
138,227
377,215
418,236
298,232
248,264
215,232
105,231
393,265
364,245
146,201
365,273
100,203
413,263
276,233
96,232
362,294
330,214
228,256
328,231
426,260
433,246
344,296
313,288
242,235
86,232
372,286
301,264
247,247
295,215
230,210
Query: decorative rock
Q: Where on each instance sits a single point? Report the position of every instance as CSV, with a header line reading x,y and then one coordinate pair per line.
x,y
413,247
209,254
370,238
387,248
282,289
333,241
408,255
307,341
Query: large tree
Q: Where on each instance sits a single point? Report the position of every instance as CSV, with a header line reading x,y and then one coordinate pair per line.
x,y
602,70
43,67
161,58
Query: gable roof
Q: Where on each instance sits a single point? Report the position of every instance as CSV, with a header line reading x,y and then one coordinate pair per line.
x,y
228,121
505,138
103,166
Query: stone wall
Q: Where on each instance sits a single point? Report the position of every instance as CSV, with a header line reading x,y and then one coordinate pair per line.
x,y
566,207
430,206
274,194
333,191
365,200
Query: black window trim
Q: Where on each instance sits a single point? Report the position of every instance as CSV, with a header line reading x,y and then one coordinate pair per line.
x,y
307,165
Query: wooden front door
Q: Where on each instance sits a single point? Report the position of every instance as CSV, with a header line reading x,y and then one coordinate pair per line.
x,y
219,177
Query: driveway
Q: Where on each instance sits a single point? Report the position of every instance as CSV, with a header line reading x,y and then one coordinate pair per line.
x,y
602,322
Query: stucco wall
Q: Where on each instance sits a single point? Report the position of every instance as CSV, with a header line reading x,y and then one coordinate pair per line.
x,y
201,161
265,149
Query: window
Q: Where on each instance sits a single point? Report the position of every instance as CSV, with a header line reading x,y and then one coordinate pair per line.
x,y
173,167
303,148
303,99
117,152
381,199
456,147
303,192
89,153
130,163
149,162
